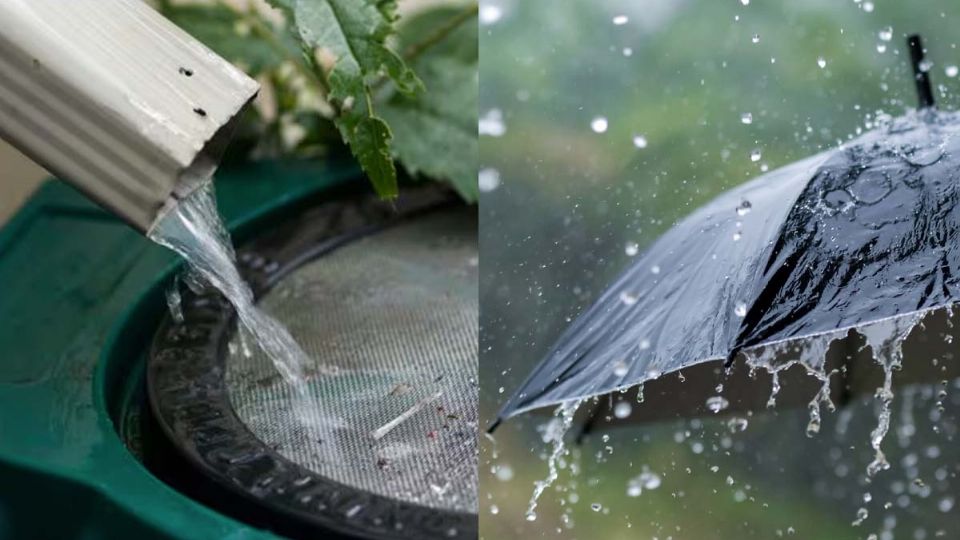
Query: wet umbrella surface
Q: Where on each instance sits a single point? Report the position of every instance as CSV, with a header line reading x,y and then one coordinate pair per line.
x,y
861,238
836,241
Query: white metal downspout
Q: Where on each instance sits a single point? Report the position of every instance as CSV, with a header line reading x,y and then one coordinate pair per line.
x,y
112,97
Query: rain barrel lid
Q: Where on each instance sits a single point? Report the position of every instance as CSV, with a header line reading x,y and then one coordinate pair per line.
x,y
388,295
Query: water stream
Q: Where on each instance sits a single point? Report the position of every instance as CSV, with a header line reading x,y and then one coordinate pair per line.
x,y
194,230
553,433
884,338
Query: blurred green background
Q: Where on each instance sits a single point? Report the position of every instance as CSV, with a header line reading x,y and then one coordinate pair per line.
x,y
561,200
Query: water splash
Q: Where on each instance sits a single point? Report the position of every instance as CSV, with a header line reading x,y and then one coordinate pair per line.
x,y
553,434
885,339
822,397
175,301
194,230
809,353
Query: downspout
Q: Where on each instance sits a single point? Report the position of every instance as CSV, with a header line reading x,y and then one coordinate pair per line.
x,y
115,99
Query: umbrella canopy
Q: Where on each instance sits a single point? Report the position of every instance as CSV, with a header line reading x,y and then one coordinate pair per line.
x,y
855,235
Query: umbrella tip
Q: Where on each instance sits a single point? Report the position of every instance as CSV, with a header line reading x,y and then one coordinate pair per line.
x,y
728,362
493,426
920,72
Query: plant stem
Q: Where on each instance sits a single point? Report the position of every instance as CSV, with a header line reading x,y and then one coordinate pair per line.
x,y
442,31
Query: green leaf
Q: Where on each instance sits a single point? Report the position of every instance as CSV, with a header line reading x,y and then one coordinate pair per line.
x,y
349,38
353,34
436,131
370,141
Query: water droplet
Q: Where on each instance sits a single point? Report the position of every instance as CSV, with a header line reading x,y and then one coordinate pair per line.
x,y
490,14
729,480
925,66
868,7
646,480
488,179
813,426
654,269
596,507
491,123
744,208
631,249
822,62
504,473
755,155
881,48
755,38
886,34
620,368
951,71
639,141
737,236
599,124
494,509
620,20
627,51
622,409
717,403
737,424
740,310
945,504
531,516
745,2
644,344
627,298
861,515
746,118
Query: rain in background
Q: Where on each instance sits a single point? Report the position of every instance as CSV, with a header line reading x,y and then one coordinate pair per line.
x,y
602,124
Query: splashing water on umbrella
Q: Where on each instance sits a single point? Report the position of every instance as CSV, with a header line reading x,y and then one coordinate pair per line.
x,y
858,239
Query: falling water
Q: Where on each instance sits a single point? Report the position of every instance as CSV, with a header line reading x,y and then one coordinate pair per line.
x,y
812,355
194,230
884,338
553,434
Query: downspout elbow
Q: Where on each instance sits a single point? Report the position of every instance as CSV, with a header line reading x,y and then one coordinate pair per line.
x,y
115,99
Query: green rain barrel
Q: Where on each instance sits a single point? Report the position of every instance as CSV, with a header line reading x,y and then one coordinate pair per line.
x,y
117,421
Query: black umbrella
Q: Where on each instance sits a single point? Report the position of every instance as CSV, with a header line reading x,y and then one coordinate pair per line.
x,y
862,235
